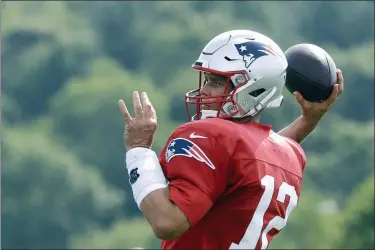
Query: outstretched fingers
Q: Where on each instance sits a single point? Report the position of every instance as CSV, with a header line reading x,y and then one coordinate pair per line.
x,y
137,105
124,111
148,109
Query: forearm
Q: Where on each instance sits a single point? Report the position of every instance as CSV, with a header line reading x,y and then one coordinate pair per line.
x,y
156,205
151,193
163,216
298,130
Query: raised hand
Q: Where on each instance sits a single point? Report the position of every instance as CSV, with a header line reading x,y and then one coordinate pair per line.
x,y
139,131
313,111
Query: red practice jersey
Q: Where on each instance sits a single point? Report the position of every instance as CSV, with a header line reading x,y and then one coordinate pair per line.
x,y
236,183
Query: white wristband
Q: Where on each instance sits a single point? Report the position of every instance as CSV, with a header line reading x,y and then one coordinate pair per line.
x,y
145,173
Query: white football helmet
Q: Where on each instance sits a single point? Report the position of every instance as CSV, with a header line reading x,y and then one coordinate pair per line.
x,y
252,62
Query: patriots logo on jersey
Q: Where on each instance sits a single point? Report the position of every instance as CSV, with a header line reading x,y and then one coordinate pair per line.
x,y
252,50
185,147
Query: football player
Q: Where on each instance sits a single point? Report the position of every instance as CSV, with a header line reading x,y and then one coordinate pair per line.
x,y
223,180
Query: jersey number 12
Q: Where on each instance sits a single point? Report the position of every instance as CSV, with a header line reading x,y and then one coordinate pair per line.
x,y
254,230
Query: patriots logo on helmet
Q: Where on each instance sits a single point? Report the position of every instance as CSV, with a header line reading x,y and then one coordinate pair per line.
x,y
252,50
185,147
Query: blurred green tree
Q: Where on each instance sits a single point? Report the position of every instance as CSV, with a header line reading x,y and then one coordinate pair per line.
x,y
358,217
47,193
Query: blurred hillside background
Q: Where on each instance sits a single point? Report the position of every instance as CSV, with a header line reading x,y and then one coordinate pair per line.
x,y
65,65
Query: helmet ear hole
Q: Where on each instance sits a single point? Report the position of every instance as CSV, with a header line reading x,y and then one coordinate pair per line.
x,y
257,92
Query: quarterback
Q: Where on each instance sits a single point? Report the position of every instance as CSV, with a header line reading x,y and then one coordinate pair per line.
x,y
223,180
